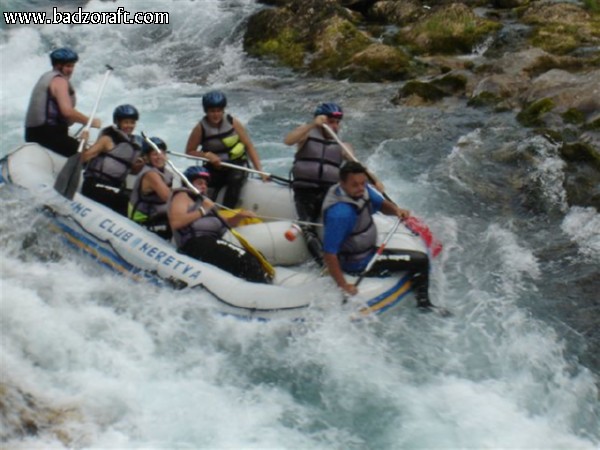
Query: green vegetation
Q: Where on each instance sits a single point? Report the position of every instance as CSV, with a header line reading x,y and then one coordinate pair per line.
x,y
592,5
573,115
285,47
530,116
450,30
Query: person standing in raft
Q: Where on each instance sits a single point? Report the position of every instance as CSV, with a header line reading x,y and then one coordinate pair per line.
x,y
151,191
51,108
114,155
198,231
222,138
316,168
350,236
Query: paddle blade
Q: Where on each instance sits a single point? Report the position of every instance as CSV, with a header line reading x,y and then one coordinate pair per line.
x,y
419,228
67,180
269,269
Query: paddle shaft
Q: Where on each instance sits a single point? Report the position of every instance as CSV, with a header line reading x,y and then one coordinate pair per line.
x,y
282,219
378,252
351,157
109,69
67,180
230,166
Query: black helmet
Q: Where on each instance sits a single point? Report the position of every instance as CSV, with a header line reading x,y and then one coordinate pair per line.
x,y
63,56
147,148
193,172
125,112
330,110
214,99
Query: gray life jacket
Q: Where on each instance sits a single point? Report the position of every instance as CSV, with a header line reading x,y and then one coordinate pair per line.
x,y
147,207
363,238
43,107
111,168
317,163
222,140
208,225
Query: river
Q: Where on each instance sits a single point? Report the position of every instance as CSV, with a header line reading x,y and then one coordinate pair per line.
x,y
136,366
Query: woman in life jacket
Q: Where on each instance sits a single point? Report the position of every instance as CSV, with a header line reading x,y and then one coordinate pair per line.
x,y
151,190
316,168
113,156
222,138
198,231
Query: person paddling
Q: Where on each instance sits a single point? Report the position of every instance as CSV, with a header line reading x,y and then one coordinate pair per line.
x,y
114,155
223,138
151,190
316,168
198,231
51,107
350,235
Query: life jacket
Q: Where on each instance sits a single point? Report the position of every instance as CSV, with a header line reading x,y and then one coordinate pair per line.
x,y
111,168
222,140
317,163
43,108
208,225
363,238
147,207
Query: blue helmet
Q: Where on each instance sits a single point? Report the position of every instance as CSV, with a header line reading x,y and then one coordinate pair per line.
x,y
330,110
63,56
214,99
147,148
125,112
193,172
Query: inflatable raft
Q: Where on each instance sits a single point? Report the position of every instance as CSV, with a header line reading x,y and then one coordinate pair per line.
x,y
125,247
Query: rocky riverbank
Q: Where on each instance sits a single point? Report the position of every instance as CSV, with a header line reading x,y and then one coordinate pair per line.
x,y
539,59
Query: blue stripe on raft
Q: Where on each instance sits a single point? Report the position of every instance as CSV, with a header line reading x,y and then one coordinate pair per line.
x,y
104,256
389,298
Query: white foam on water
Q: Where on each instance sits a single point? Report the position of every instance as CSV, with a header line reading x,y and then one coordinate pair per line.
x,y
583,226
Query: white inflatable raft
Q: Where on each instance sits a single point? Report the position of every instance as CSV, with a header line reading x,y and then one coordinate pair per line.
x,y
125,247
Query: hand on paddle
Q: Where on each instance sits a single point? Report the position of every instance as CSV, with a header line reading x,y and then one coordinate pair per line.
x,y
212,159
402,214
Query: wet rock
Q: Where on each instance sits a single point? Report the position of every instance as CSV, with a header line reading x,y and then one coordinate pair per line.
x,y
433,90
567,90
560,28
23,414
335,44
496,90
450,29
396,12
533,113
378,62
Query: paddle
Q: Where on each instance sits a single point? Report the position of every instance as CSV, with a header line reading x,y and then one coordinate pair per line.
x,y
378,252
269,269
67,180
412,223
232,166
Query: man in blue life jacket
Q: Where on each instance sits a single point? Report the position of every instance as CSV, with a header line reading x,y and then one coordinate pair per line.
x,y
52,106
350,235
